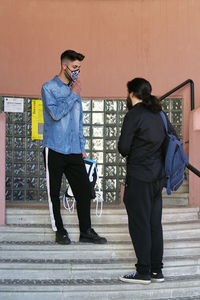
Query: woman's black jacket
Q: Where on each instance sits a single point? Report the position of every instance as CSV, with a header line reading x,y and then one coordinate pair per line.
x,y
141,142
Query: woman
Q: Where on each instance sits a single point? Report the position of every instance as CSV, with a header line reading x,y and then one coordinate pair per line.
x,y
141,141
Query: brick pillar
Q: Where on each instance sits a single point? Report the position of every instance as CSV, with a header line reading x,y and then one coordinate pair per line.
x,y
2,166
194,157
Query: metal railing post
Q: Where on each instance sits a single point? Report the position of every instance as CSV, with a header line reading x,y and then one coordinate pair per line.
x,y
190,81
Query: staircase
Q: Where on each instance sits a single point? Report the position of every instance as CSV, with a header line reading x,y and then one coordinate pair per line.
x,y
33,267
178,198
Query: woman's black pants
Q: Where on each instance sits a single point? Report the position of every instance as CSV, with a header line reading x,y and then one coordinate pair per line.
x,y
143,201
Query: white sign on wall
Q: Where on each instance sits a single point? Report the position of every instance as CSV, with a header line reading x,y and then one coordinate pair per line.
x,y
14,105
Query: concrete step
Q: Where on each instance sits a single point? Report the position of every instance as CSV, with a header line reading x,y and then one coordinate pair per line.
x,y
110,216
14,231
184,188
81,251
174,288
111,227
33,266
108,210
87,269
111,232
176,200
110,246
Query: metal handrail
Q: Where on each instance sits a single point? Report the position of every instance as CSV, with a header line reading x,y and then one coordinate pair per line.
x,y
191,82
193,169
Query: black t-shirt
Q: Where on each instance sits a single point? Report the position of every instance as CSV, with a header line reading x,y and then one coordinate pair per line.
x,y
141,142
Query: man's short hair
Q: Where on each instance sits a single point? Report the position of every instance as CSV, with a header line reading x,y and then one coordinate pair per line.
x,y
72,55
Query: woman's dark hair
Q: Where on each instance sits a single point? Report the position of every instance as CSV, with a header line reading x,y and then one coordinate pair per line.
x,y
72,55
141,88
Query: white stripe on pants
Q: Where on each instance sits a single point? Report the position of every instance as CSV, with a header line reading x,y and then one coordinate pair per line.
x,y
48,191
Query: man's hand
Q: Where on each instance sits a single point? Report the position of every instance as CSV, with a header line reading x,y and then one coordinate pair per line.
x,y
84,155
76,87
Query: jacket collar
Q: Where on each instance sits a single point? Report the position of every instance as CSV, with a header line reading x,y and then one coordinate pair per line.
x,y
59,82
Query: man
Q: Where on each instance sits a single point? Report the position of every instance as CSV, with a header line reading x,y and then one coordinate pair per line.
x,y
64,147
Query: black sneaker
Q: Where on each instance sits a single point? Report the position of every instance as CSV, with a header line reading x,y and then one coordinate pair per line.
x,y
62,237
157,277
90,236
135,277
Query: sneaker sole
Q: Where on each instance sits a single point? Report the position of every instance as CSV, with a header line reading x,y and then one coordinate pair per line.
x,y
157,280
63,243
135,280
92,242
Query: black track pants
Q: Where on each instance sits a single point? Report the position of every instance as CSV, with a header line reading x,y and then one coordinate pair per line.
x,y
72,165
143,201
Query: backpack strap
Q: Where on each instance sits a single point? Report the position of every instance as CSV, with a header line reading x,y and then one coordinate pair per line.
x,y
164,120
168,188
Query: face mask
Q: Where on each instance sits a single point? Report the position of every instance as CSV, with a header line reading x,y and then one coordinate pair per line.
x,y
129,104
74,74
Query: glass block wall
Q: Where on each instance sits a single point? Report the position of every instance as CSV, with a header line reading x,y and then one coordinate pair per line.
x,y
25,175
102,124
173,109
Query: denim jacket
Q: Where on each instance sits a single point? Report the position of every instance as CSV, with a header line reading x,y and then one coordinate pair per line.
x,y
63,118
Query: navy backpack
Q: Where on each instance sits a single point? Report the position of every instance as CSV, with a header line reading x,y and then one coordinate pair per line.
x,y
175,160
